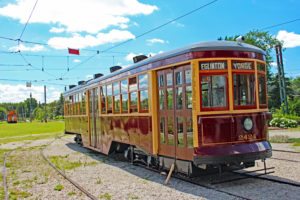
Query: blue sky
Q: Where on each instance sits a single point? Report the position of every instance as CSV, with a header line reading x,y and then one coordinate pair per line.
x,y
98,25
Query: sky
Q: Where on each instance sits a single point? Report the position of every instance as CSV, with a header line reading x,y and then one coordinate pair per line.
x,y
109,33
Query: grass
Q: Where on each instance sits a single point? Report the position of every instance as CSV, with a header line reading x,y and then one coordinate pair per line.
x,y
71,193
99,181
285,139
65,164
26,129
106,196
59,187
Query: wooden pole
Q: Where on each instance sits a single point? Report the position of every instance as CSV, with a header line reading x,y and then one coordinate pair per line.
x,y
170,173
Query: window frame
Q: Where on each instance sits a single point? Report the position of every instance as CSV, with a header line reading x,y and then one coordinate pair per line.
x,y
215,73
244,71
262,73
141,90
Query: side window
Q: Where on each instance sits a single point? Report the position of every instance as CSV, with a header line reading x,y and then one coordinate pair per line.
x,y
109,98
262,89
133,95
124,95
117,99
103,99
83,103
143,91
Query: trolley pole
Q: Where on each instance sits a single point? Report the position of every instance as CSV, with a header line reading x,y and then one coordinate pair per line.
x,y
281,78
45,104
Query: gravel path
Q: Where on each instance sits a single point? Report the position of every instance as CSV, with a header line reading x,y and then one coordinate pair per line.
x,y
107,178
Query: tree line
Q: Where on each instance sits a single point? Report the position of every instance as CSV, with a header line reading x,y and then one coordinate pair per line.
x,y
32,109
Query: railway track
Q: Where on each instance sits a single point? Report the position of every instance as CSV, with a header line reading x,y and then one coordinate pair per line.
x,y
4,172
285,151
77,185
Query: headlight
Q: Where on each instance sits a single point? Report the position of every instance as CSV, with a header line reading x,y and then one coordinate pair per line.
x,y
248,124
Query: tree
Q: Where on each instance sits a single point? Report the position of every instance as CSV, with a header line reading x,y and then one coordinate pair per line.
x,y
263,40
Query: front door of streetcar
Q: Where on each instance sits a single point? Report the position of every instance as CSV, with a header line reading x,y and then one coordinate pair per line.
x,y
175,112
93,115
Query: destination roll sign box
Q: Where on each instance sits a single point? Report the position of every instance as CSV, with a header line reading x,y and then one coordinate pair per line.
x,y
212,65
242,65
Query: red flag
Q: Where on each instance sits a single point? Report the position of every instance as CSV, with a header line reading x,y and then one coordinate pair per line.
x,y
73,51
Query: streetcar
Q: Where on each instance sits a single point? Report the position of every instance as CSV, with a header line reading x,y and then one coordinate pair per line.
x,y
199,107
12,116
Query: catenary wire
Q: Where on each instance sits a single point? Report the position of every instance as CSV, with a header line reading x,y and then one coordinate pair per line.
x,y
28,20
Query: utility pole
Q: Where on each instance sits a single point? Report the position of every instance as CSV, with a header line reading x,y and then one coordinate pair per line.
x,y
30,107
45,104
281,79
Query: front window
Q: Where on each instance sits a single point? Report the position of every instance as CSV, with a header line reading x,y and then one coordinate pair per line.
x,y
213,91
244,89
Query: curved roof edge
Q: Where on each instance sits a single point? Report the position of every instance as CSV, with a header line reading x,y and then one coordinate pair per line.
x,y
200,46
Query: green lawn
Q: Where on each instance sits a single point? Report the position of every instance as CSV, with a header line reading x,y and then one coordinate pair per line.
x,y
27,128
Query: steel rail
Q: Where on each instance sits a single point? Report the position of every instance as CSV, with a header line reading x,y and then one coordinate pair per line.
x,y
285,151
64,175
4,175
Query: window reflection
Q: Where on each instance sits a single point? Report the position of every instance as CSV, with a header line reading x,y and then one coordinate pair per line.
x,y
125,102
262,90
161,99
117,103
170,131
213,91
162,130
133,102
170,98
132,84
180,131
116,88
244,89
124,86
144,99
161,80
143,81
109,90
169,79
188,76
188,96
189,132
179,98
178,76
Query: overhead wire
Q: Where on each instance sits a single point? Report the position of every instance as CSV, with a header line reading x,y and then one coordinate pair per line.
x,y
162,25
28,19
283,23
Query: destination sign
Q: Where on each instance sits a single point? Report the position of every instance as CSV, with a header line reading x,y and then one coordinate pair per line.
x,y
242,65
212,65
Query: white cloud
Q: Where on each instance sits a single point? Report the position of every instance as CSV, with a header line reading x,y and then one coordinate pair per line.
x,y
22,47
91,16
155,40
89,76
56,30
130,56
76,61
178,24
78,41
273,64
290,39
19,93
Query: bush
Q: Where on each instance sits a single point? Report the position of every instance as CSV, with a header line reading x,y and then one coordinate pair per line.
x,y
283,122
